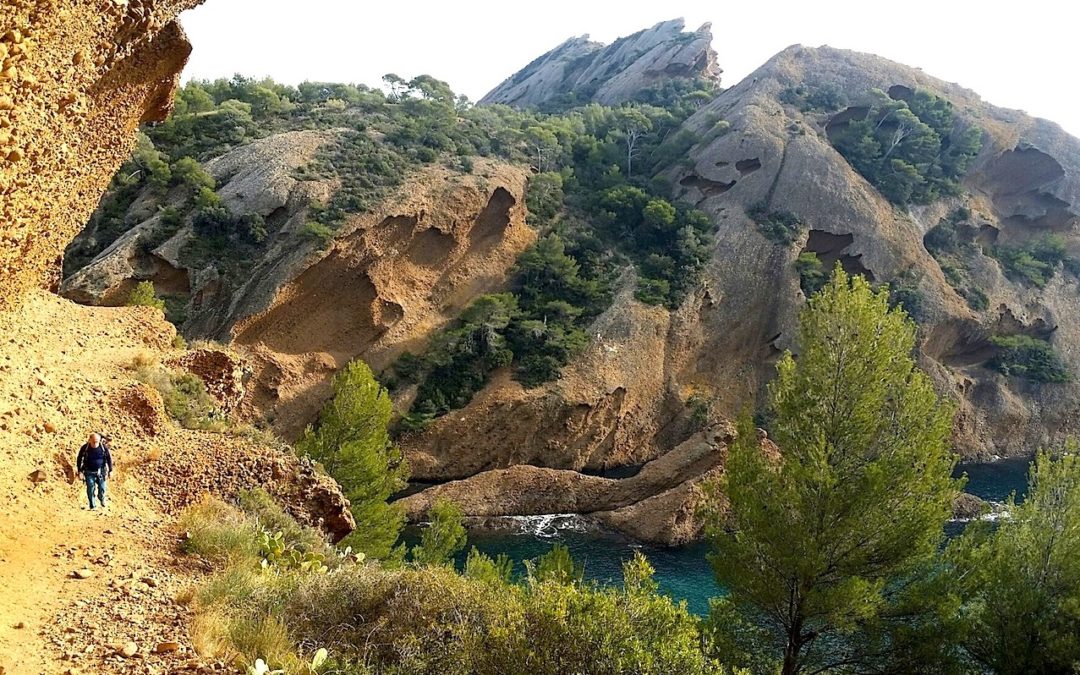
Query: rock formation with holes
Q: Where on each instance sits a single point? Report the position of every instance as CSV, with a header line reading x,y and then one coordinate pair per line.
x,y
581,70
1025,183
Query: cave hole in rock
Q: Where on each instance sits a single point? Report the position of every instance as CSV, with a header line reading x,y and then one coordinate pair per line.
x,y
707,187
899,92
831,248
970,344
747,166
838,122
1020,184
490,224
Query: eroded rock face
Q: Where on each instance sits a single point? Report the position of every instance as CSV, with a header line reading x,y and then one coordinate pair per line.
x,y
1025,183
222,372
611,74
79,76
389,280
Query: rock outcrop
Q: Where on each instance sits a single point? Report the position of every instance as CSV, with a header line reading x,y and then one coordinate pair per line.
x,y
1024,183
256,178
78,78
389,280
658,503
581,71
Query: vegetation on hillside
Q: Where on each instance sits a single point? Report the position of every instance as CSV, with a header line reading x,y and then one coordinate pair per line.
x,y
1035,261
593,195
913,151
952,244
1028,357
279,594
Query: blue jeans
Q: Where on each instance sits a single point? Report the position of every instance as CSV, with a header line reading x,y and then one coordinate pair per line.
x,y
95,480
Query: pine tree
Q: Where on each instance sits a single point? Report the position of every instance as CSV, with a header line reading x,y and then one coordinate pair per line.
x,y
1020,578
444,536
352,444
859,493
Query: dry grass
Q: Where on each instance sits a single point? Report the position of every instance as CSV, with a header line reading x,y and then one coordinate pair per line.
x,y
143,359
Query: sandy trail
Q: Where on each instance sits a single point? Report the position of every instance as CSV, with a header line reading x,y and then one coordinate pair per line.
x,y
61,368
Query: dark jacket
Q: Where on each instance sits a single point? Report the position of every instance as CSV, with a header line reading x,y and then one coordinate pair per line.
x,y
91,460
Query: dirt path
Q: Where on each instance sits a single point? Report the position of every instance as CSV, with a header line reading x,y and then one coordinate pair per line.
x,y
61,371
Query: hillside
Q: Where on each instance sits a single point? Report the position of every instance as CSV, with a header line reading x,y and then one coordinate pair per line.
x,y
662,348
569,292
68,370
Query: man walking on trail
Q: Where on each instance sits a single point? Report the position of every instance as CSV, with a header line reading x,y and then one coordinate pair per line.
x,y
95,464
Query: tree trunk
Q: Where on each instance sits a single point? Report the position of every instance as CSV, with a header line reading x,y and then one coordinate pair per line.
x,y
794,638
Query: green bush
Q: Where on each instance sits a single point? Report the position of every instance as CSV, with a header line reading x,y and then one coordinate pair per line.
x,y
812,276
1034,262
827,97
317,232
188,402
143,295
1028,357
782,227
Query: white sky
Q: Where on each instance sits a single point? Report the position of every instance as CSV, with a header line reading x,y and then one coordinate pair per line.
x,y
1015,54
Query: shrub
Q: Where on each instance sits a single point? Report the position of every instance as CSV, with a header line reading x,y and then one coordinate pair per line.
x,y
317,232
143,295
1028,357
1034,262
220,533
812,277
188,172
782,227
188,402
700,410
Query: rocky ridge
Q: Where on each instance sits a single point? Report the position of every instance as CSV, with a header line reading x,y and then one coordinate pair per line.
x,y
611,74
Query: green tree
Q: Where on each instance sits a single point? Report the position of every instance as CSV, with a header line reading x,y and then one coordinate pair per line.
x,y
143,295
352,444
859,494
634,125
1020,577
443,537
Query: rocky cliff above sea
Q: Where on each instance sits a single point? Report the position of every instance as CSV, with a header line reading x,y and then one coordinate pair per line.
x,y
986,261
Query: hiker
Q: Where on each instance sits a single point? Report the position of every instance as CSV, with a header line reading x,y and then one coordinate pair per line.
x,y
95,464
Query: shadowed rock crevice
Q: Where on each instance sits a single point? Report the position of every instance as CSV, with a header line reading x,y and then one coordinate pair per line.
x,y
832,248
707,187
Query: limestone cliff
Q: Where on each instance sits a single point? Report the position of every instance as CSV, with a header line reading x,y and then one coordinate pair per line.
x,y
1024,183
580,70
77,79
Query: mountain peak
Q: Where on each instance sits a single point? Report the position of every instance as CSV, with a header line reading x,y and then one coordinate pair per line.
x,y
580,70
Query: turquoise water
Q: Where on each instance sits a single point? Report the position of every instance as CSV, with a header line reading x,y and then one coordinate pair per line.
x,y
684,573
